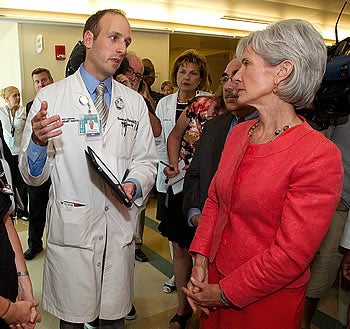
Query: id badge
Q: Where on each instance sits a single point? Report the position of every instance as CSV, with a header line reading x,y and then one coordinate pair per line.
x,y
90,125
11,141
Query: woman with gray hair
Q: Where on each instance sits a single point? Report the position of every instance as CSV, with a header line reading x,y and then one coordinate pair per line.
x,y
277,186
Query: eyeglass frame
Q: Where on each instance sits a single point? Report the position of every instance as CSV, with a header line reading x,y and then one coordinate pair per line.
x,y
138,76
225,78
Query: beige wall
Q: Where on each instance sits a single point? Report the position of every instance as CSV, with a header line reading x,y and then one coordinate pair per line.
x,y
154,46
52,35
19,62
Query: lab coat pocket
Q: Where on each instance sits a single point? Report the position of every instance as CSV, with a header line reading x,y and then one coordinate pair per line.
x,y
125,148
69,225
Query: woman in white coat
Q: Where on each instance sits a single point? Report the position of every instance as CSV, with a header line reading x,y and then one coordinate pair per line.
x,y
89,263
13,118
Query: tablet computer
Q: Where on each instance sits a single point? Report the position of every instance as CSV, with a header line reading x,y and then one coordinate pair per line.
x,y
100,167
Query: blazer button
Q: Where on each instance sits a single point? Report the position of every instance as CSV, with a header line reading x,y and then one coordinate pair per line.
x,y
224,242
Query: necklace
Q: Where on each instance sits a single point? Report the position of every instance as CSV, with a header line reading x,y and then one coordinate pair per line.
x,y
275,134
181,101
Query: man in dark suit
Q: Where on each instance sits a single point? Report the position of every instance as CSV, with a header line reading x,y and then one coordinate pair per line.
x,y
208,151
38,195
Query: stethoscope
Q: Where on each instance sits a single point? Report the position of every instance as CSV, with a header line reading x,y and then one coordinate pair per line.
x,y
119,103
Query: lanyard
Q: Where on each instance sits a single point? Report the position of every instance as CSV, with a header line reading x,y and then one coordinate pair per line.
x,y
12,123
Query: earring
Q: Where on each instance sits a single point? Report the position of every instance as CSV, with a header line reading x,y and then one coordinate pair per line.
x,y
275,89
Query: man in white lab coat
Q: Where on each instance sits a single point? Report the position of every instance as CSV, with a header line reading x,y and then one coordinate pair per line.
x,y
89,263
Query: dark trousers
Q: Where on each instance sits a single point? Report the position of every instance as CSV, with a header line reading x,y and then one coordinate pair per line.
x,y
103,324
38,198
21,191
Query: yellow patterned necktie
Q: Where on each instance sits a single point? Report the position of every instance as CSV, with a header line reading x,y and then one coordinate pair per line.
x,y
100,104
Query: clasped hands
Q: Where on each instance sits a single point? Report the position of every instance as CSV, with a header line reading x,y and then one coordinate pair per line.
x,y
20,312
200,293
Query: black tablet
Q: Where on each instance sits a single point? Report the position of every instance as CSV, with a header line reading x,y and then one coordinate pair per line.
x,y
99,166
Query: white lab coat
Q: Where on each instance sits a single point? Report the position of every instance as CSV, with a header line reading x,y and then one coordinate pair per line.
x,y
78,286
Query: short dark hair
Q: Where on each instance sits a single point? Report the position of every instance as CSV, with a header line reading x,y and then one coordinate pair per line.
x,y
92,23
42,70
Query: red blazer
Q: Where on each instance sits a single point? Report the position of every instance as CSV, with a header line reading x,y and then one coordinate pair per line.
x,y
269,207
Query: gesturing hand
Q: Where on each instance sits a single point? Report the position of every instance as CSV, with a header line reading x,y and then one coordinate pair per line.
x,y
43,127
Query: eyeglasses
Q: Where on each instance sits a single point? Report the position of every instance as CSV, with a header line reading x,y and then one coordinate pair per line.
x,y
225,78
130,71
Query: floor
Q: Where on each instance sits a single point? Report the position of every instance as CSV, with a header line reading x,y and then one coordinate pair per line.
x,y
155,308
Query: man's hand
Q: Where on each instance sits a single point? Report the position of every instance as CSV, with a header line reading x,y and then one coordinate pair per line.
x,y
130,189
196,219
45,128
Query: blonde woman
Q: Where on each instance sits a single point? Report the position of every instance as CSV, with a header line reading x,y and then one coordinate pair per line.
x,y
13,118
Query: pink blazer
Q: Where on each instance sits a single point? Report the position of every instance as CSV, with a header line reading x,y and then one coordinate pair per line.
x,y
268,209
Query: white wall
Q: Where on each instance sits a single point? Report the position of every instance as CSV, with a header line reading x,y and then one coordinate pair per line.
x,y
9,57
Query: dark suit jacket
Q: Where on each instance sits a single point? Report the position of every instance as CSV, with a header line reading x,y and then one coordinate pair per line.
x,y
205,161
7,154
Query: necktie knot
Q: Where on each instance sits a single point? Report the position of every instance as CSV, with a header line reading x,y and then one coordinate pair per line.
x,y
100,89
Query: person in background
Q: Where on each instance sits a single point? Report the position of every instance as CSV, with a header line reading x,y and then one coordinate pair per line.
x,y
167,88
273,196
38,195
337,239
325,265
190,75
17,304
131,75
208,150
89,264
13,118
149,77
76,57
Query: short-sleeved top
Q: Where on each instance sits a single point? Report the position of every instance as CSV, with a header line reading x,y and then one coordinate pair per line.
x,y
200,110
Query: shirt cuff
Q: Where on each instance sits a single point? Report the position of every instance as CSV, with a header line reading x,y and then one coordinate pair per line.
x,y
36,158
190,213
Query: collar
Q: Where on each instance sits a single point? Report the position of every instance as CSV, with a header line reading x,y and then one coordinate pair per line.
x,y
91,82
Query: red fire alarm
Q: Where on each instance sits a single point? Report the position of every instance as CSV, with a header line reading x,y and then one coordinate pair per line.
x,y
60,51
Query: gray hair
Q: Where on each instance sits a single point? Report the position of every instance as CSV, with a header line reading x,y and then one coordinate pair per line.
x,y
298,41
